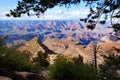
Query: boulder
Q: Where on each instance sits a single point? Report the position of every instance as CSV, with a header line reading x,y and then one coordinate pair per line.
x,y
5,78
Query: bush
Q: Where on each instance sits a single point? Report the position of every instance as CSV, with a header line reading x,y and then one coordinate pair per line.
x,y
11,61
64,69
36,67
110,69
15,60
41,59
40,62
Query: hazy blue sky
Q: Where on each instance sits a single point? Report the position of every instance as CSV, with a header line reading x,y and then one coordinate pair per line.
x,y
10,3
75,12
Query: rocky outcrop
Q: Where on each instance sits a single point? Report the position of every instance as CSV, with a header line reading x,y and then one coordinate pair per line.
x,y
65,47
5,78
30,76
106,48
68,48
46,49
32,47
110,48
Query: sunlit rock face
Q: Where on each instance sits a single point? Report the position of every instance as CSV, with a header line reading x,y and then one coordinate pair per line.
x,y
68,47
32,47
55,47
104,48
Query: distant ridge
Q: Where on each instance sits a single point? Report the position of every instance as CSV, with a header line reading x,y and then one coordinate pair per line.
x,y
25,30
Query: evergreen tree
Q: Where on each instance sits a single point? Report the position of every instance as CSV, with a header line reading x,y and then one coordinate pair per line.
x,y
110,70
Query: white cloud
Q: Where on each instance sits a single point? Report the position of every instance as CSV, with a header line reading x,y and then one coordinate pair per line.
x,y
59,12
50,14
75,13
79,13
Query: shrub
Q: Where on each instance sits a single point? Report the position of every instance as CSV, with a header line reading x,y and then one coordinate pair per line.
x,y
36,67
64,69
11,61
110,69
15,60
41,59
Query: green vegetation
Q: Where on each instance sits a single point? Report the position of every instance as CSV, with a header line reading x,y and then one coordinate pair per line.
x,y
40,62
103,8
12,60
2,40
64,69
42,59
110,70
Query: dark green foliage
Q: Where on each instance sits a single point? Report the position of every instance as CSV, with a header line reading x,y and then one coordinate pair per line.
x,y
106,8
102,22
40,62
42,59
38,6
36,67
110,69
116,28
34,77
17,77
64,69
98,9
2,40
91,26
13,60
78,60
